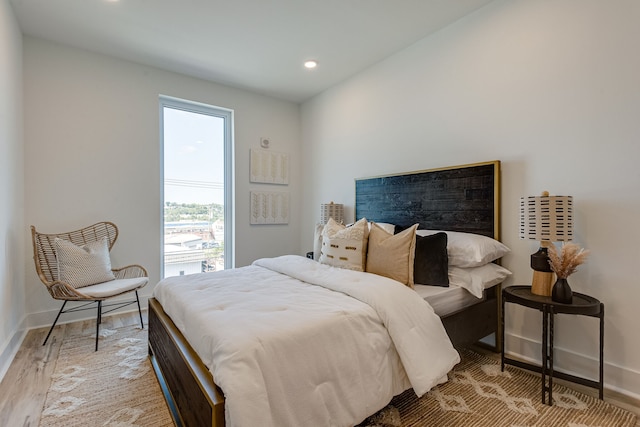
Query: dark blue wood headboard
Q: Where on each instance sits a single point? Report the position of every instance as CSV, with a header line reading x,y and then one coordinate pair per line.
x,y
459,198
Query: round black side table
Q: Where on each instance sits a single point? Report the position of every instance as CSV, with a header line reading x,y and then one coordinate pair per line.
x,y
582,304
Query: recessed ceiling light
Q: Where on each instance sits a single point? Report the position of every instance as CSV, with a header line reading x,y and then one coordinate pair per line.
x,y
310,64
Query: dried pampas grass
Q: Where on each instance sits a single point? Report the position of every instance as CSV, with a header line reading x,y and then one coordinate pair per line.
x,y
567,261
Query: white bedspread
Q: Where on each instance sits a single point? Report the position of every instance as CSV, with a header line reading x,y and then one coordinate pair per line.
x,y
289,348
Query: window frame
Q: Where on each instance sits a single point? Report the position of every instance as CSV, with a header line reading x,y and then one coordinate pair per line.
x,y
229,184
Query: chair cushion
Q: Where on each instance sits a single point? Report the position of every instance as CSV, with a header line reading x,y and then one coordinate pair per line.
x,y
114,287
81,266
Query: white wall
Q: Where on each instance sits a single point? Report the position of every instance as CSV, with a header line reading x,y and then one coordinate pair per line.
x,y
12,294
551,89
92,153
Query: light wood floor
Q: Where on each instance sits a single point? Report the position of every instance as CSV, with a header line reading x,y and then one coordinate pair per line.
x,y
24,387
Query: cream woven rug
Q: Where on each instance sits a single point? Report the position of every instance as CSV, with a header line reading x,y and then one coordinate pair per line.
x,y
479,394
115,386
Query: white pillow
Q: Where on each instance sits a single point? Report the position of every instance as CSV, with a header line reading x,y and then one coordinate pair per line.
x,y
345,247
317,241
470,250
83,266
477,279
389,228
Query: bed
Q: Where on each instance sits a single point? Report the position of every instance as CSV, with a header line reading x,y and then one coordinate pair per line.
x,y
463,199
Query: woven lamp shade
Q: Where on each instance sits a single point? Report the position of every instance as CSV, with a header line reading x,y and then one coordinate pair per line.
x,y
546,218
331,210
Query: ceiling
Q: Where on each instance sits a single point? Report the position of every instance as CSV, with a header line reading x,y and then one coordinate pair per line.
x,y
258,45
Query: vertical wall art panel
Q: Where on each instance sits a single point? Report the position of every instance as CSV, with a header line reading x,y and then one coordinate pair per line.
x,y
269,167
268,207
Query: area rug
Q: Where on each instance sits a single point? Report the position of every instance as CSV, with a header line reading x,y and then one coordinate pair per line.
x,y
114,386
479,394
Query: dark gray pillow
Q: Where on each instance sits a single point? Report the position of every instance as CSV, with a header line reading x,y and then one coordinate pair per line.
x,y
431,264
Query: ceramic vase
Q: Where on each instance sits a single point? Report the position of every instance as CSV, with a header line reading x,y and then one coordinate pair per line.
x,y
561,292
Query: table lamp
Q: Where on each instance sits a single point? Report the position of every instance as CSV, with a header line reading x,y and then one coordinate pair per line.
x,y
547,219
331,210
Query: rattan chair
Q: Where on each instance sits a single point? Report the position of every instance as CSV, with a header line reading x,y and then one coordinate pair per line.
x,y
127,279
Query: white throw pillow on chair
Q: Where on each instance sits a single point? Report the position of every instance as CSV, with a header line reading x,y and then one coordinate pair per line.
x,y
86,265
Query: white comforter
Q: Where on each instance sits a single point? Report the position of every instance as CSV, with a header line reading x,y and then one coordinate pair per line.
x,y
289,348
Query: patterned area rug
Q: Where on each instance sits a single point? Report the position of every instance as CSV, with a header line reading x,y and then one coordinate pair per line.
x,y
479,394
114,386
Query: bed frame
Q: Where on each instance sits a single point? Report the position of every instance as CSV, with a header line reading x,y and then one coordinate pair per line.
x,y
461,198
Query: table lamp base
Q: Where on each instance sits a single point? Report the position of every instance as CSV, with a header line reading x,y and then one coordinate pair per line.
x,y
542,283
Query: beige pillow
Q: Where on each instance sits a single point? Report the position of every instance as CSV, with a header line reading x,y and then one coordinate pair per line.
x,y
392,255
345,247
83,265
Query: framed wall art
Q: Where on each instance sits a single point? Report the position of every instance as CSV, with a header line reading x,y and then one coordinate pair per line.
x,y
269,167
269,207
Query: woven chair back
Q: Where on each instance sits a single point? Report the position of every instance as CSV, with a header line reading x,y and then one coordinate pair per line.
x,y
44,254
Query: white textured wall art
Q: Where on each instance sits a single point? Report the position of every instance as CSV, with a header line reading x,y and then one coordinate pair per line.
x,y
269,207
269,167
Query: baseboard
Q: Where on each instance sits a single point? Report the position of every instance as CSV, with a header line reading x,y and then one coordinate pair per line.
x,y
617,378
11,349
45,318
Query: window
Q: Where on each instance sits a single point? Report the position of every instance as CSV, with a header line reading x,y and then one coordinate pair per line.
x,y
196,176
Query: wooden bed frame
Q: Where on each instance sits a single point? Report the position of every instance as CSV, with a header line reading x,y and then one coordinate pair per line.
x,y
462,198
